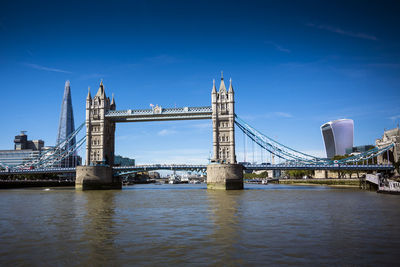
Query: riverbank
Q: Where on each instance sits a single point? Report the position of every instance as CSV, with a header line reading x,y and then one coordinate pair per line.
x,y
353,183
9,184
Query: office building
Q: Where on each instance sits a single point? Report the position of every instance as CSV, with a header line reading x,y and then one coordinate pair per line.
x,y
338,136
25,151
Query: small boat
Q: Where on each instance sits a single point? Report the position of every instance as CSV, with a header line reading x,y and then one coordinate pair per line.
x,y
174,179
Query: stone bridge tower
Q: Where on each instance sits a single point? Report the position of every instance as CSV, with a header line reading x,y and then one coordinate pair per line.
x,y
100,137
223,119
100,132
223,172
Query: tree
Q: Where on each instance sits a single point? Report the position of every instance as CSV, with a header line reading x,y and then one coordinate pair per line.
x,y
299,173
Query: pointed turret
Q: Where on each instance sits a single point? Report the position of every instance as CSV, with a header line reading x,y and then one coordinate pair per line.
x,y
112,99
89,96
222,85
101,92
230,90
214,90
112,105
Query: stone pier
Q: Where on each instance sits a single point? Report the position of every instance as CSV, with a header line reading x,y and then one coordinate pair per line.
x,y
96,177
225,176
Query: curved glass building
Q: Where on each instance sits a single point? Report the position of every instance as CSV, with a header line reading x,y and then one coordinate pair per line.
x,y
337,135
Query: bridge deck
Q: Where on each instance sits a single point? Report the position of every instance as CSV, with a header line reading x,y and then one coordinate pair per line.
x,y
160,114
202,167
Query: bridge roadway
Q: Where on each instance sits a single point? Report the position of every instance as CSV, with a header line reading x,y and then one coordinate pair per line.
x,y
201,167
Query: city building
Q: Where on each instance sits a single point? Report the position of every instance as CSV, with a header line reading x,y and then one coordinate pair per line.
x,y
123,161
338,136
25,151
389,137
65,128
358,149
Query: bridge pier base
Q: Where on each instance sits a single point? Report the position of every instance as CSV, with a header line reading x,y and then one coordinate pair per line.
x,y
225,176
96,178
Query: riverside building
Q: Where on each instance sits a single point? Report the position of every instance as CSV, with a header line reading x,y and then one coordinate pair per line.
x,y
25,151
389,137
338,136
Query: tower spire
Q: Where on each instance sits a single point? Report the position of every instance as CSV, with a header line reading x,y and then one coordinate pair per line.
x,y
89,96
101,91
230,90
222,85
214,90
112,99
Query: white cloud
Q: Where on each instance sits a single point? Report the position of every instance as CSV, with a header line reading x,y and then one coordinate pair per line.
x,y
395,117
172,156
278,47
283,114
206,125
275,114
343,32
39,67
165,132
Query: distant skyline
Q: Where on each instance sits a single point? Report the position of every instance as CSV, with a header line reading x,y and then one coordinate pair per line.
x,y
294,65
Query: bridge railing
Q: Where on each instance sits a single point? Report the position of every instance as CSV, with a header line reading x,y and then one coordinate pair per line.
x,y
133,112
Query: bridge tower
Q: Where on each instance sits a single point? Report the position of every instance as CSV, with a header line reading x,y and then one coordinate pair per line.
x,y
100,144
223,172
100,132
223,119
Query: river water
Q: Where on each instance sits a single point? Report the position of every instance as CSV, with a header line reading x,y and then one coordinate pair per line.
x,y
180,225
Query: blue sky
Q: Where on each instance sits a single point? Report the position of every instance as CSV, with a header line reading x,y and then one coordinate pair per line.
x,y
294,65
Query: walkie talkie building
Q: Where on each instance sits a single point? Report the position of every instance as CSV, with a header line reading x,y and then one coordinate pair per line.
x,y
337,135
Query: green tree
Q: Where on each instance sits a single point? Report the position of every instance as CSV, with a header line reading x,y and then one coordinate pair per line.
x,y
299,173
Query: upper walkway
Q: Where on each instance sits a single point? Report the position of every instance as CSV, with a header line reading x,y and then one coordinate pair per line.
x,y
160,114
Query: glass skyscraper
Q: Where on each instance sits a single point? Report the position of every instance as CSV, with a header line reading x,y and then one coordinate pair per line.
x,y
338,136
66,127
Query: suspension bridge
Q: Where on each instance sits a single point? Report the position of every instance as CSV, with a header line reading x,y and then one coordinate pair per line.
x,y
294,160
201,168
99,137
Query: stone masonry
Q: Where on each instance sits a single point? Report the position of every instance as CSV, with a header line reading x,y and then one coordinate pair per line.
x,y
100,132
393,155
223,172
223,120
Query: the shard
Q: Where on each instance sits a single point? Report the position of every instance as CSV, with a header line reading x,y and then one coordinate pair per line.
x,y
67,126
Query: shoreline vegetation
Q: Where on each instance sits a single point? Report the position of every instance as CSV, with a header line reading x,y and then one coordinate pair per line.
x,y
353,183
297,180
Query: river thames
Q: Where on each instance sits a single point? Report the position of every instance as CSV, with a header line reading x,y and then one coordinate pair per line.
x,y
180,225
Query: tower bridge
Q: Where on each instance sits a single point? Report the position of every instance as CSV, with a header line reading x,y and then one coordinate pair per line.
x,y
102,116
223,172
